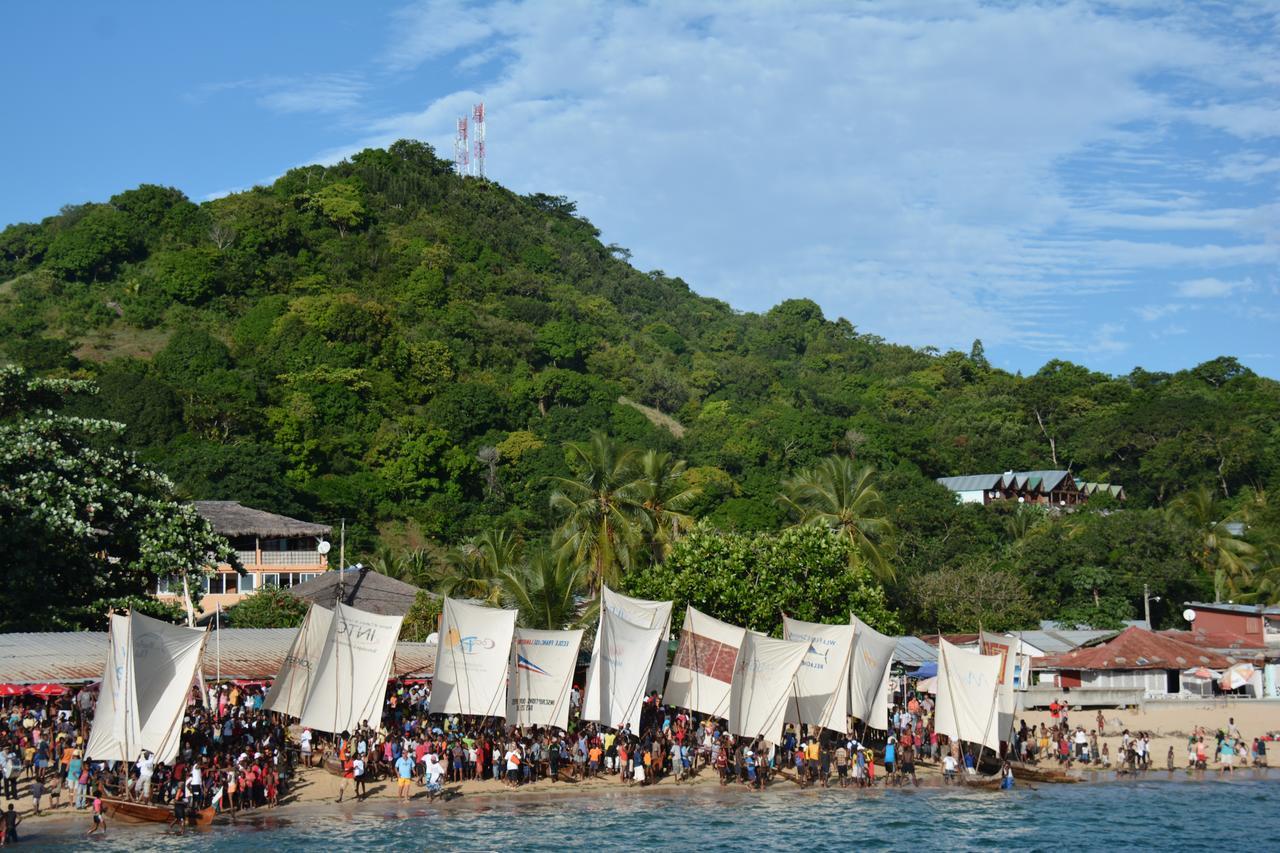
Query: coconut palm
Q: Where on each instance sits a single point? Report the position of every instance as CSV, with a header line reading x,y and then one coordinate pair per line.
x,y
600,515
545,589
663,492
418,567
475,568
1221,551
837,495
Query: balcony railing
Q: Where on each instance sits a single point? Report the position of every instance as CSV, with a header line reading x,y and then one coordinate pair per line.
x,y
282,558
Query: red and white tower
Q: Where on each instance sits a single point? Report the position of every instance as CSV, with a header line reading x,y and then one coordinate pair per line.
x,y
477,118
461,150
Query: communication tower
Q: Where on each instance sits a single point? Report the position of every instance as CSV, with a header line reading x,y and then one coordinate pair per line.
x,y
461,150
477,118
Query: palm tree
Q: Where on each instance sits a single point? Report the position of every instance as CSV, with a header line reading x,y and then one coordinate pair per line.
x,y
417,567
475,568
663,492
837,495
545,590
1221,551
598,508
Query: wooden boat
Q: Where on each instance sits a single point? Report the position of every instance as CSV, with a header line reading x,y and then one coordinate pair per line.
x,y
984,783
129,810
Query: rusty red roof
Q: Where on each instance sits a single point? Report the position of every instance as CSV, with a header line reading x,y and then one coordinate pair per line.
x,y
1136,648
1222,642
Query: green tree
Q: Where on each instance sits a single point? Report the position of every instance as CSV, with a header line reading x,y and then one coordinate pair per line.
x,y
964,597
88,526
810,573
269,607
839,496
93,247
339,203
545,589
477,567
423,618
598,510
664,493
1221,551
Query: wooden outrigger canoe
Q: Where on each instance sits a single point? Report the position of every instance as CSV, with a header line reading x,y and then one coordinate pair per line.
x,y
152,812
1048,775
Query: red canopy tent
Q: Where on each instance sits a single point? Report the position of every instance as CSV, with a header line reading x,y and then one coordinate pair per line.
x,y
48,690
7,690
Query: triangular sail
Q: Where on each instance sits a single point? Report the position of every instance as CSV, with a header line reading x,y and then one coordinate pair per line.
x,y
350,683
967,701
146,685
702,672
763,679
472,660
542,665
655,615
822,683
869,673
165,659
621,662
115,734
289,691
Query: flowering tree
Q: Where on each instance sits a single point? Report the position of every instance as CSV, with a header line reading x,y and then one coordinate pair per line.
x,y
83,525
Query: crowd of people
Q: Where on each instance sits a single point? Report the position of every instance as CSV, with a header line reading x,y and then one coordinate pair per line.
x,y
235,756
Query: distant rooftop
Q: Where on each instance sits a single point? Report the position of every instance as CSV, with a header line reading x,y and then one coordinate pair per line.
x,y
1231,607
231,518
362,588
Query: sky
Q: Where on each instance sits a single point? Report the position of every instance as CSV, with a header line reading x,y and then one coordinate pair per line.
x,y
1089,181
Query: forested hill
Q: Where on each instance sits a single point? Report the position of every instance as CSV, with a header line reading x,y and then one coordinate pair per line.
x,y
386,342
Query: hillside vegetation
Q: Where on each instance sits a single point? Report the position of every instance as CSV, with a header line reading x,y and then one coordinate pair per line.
x,y
385,342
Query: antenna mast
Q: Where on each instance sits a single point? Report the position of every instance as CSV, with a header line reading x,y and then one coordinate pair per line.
x,y
461,150
477,117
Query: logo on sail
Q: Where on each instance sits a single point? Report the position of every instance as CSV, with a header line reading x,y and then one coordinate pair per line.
x,y
527,665
468,645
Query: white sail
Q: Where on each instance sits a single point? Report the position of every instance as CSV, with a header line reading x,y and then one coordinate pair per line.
x,y
822,683
146,686
702,672
289,692
165,659
764,678
115,734
643,614
967,702
1004,648
471,663
542,665
619,673
350,683
869,674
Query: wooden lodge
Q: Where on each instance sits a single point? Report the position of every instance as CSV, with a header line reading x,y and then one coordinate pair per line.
x,y
1045,488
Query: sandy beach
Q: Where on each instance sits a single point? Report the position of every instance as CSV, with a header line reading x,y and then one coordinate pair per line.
x,y
316,790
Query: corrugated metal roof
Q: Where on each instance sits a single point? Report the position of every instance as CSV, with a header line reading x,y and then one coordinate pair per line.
x,y
913,650
231,518
72,657
1135,648
1250,609
1057,642
971,483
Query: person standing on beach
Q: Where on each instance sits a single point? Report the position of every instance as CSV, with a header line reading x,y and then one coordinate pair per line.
x,y
404,775
11,821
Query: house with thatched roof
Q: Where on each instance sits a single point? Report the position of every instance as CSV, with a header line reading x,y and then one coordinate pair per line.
x,y
274,549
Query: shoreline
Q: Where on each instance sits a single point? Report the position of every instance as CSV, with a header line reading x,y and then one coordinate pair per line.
x,y
315,796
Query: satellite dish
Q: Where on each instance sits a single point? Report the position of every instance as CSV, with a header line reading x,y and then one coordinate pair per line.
x,y
323,547
433,638
1189,615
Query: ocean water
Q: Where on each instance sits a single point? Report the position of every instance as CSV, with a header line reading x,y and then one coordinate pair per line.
x,y
1147,814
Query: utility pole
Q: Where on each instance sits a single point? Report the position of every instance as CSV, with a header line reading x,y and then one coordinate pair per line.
x,y
1146,603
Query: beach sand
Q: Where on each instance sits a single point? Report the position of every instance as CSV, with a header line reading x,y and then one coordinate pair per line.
x,y
316,790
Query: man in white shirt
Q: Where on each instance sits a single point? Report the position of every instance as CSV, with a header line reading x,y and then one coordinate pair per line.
x,y
948,768
304,741
146,769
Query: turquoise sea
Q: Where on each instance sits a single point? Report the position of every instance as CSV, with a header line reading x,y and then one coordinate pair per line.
x,y
1147,814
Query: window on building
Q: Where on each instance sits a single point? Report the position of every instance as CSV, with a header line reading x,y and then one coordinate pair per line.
x,y
270,579
246,582
220,583
169,586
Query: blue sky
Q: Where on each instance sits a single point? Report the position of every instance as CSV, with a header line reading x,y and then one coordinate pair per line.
x,y
1079,180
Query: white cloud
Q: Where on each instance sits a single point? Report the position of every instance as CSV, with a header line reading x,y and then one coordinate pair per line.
x,y
1152,313
326,93
934,174
1212,288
